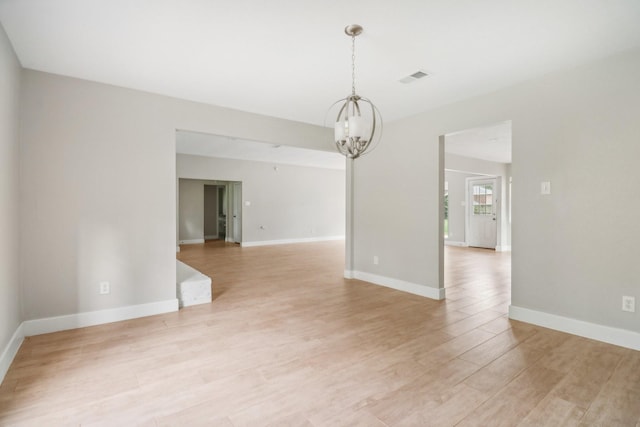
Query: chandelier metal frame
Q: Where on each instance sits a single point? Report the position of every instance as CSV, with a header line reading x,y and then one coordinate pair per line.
x,y
353,135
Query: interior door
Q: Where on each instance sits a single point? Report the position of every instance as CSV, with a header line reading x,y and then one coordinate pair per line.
x,y
482,207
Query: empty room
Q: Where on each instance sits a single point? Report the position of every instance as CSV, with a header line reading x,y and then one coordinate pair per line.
x,y
319,213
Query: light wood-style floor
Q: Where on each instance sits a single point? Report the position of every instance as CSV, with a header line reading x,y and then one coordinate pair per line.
x,y
289,342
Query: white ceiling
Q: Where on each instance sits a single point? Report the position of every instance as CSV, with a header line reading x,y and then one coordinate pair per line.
x,y
201,144
291,59
491,143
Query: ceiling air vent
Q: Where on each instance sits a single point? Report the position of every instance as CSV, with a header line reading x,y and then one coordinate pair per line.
x,y
413,77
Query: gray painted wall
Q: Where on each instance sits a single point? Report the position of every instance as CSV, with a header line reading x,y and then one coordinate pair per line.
x,y
191,209
10,313
572,256
292,202
98,188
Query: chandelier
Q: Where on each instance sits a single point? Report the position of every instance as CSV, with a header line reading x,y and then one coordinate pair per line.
x,y
358,122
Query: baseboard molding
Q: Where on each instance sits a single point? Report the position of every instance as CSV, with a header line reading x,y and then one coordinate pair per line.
x,y
454,243
191,242
608,334
177,249
401,285
348,274
210,236
92,318
503,248
288,241
10,351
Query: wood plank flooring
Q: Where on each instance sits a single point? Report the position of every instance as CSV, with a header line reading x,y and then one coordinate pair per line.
x,y
288,342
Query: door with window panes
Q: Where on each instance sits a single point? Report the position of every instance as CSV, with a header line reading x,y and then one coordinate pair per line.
x,y
482,208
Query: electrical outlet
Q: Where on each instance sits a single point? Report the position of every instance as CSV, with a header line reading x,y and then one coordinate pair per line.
x,y
629,304
375,260
105,288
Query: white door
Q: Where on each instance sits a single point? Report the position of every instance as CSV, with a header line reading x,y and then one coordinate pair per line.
x,y
481,210
237,212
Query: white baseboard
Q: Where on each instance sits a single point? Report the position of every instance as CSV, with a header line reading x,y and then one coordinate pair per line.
x,y
79,320
210,236
177,249
503,248
287,241
454,243
348,274
10,351
401,285
608,334
191,242
91,318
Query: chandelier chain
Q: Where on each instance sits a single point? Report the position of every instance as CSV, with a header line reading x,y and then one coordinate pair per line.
x,y
353,65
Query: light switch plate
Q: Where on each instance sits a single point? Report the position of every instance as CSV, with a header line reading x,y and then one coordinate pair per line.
x,y
545,187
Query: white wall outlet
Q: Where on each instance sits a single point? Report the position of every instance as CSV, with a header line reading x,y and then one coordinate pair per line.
x,y
105,288
629,304
545,187
376,260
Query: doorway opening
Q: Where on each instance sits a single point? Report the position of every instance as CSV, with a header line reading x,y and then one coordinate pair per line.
x,y
477,204
257,193
209,210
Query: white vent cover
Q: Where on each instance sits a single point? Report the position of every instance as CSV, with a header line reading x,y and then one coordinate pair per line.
x,y
414,77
